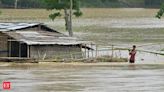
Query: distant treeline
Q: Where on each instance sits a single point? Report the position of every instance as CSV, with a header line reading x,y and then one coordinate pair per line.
x,y
22,3
85,3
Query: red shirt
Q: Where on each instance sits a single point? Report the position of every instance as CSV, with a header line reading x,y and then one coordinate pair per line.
x,y
132,55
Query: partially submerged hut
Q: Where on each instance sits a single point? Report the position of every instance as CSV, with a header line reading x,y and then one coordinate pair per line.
x,y
37,41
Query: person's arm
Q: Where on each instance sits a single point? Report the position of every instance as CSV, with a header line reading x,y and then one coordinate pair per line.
x,y
135,52
130,52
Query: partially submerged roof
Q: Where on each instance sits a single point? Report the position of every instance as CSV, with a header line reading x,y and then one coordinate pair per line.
x,y
16,26
43,38
37,37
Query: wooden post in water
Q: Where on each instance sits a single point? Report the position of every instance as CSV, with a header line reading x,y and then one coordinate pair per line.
x,y
81,51
38,54
92,50
112,51
96,51
85,51
28,51
88,53
120,53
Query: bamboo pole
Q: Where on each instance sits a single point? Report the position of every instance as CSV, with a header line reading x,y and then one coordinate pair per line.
x,y
28,51
141,51
38,54
81,51
120,53
92,50
112,50
88,53
96,51
85,51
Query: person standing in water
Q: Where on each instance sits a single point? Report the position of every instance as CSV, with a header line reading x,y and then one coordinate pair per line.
x,y
132,54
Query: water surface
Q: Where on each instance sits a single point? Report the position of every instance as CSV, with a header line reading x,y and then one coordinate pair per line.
x,y
84,78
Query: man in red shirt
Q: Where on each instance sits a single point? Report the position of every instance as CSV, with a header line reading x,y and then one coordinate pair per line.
x,y
132,54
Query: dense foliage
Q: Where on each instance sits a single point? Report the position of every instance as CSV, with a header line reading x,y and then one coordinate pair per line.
x,y
62,5
86,3
160,12
68,6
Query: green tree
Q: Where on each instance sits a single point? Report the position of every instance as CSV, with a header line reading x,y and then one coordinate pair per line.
x,y
68,6
160,12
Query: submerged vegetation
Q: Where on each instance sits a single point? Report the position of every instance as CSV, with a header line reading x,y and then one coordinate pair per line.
x,y
110,59
91,60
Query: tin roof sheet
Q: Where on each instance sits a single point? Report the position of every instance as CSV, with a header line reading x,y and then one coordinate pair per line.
x,y
43,38
15,26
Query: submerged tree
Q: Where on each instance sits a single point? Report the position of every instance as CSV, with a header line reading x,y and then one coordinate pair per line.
x,y
68,6
160,12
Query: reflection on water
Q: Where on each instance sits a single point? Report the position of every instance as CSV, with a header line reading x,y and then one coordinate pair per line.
x,y
71,78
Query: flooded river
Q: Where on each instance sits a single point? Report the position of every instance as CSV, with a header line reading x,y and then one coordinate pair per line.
x,y
83,78
138,26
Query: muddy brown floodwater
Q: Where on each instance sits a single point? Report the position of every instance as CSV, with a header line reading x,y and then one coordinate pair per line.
x,y
83,78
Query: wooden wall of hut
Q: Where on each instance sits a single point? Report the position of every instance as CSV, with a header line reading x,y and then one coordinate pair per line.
x,y
55,51
3,45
